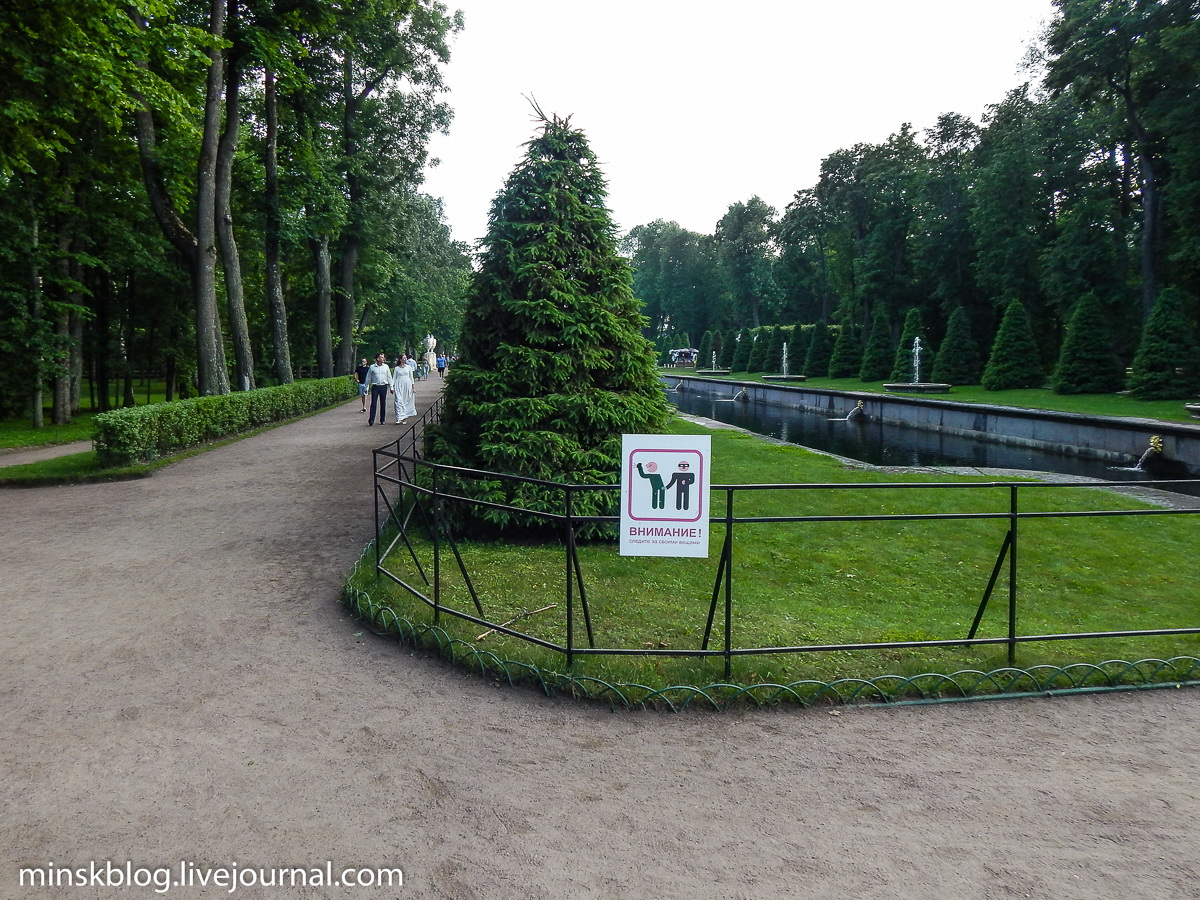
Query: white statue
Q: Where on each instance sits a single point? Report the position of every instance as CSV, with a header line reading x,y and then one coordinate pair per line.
x,y
430,354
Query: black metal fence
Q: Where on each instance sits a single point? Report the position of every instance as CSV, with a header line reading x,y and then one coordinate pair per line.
x,y
412,498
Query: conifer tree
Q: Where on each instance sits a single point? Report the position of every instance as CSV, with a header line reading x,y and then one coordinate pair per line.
x,y
741,353
958,360
718,348
847,357
820,349
1087,363
877,357
758,355
774,362
552,366
1167,363
798,342
1013,362
902,362
704,356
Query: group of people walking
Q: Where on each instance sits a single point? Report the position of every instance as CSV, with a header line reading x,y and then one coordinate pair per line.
x,y
379,380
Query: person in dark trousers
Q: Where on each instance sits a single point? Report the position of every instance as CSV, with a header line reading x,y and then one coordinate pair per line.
x,y
360,375
379,382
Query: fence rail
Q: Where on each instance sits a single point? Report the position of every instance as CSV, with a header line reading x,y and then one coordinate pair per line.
x,y
412,497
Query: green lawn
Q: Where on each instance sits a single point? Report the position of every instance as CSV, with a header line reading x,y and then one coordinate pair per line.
x,y
841,582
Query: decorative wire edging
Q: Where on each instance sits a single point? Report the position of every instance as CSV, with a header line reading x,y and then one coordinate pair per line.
x,y
890,690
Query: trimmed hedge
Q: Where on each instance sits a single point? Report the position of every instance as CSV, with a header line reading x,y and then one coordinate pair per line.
x,y
145,433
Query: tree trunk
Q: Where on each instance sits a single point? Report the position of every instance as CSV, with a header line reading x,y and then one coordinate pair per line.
x,y
321,264
351,244
61,367
275,301
239,329
198,249
345,306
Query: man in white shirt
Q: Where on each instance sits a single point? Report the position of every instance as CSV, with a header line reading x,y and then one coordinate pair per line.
x,y
379,381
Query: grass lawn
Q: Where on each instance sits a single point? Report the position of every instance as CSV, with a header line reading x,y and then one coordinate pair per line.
x,y
810,583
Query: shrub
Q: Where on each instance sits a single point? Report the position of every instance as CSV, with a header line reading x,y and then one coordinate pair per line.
x,y
144,433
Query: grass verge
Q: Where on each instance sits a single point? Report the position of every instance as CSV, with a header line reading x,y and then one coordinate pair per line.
x,y
799,584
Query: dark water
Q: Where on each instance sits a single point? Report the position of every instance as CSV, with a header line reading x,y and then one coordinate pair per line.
x,y
895,445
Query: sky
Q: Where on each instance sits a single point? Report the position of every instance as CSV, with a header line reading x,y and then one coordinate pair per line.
x,y
694,106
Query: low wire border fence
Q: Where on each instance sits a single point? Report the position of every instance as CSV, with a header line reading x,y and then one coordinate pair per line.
x,y
410,493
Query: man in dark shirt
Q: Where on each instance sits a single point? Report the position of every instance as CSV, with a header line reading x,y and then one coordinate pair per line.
x,y
360,375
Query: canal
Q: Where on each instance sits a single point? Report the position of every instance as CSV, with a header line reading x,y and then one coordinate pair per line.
x,y
882,444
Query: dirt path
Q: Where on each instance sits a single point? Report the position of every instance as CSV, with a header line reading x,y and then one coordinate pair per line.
x,y
180,684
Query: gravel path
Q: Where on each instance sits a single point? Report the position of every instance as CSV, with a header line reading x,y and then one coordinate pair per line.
x,y
180,684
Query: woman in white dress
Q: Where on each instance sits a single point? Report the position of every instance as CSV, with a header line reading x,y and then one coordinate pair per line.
x,y
402,390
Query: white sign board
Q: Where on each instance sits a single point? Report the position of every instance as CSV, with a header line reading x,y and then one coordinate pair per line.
x,y
664,494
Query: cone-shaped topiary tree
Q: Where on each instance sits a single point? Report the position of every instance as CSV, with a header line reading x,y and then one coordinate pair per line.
x,y
774,363
1013,362
704,356
1167,363
741,354
958,360
878,354
902,362
552,366
1087,363
847,357
758,354
820,348
798,342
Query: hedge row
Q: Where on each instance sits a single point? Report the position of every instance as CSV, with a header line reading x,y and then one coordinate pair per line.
x,y
145,433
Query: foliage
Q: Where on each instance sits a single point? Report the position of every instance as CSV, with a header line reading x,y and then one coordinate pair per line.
x,y
820,349
1087,364
847,355
878,354
1013,362
741,350
958,359
1167,364
902,363
760,355
553,367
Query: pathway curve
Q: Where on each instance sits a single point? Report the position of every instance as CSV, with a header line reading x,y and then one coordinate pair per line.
x,y
180,684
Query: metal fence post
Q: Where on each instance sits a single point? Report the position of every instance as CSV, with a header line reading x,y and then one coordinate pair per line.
x,y
568,544
1012,575
729,584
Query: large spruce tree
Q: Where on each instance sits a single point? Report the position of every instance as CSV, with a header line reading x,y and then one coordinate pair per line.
x,y
552,366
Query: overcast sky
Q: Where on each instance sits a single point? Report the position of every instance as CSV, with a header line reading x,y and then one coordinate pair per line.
x,y
693,105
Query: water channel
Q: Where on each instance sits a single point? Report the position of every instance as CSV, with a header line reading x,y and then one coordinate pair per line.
x,y
882,444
